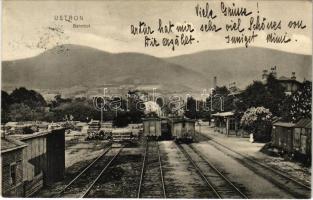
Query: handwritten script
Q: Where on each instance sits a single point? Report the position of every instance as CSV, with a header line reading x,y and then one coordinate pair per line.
x,y
235,23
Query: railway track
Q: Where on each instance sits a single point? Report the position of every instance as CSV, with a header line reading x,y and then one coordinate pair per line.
x,y
220,185
151,184
278,178
81,185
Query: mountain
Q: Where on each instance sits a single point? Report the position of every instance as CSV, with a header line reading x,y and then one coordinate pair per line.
x,y
72,65
243,65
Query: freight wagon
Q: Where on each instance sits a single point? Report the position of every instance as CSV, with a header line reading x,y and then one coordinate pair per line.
x,y
282,136
302,137
182,129
293,138
152,127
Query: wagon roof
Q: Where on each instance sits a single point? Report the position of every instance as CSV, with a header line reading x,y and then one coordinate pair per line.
x,y
284,124
304,123
223,114
179,119
151,119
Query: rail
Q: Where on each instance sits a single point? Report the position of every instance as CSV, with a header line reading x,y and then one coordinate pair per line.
x,y
83,171
100,174
218,191
143,170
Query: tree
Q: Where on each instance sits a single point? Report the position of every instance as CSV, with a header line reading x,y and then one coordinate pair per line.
x,y
258,122
30,98
5,103
221,101
269,95
191,108
298,104
121,120
254,96
79,110
222,91
58,100
20,112
275,96
5,100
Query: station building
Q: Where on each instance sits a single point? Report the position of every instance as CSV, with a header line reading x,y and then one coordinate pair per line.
x,y
226,123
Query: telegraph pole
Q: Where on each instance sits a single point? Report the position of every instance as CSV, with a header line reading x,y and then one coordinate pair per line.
x,y
212,89
102,112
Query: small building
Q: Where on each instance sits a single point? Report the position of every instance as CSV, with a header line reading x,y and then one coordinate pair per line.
x,y
43,159
12,167
226,123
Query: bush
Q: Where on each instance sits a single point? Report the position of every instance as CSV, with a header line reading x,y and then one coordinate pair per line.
x,y
258,122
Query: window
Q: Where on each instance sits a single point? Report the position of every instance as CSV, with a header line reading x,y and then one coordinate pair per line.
x,y
13,173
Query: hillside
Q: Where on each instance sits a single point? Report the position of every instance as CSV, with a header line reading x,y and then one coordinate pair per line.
x,y
71,65
245,64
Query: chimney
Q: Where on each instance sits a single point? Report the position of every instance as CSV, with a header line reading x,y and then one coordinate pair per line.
x,y
265,74
274,71
293,76
214,82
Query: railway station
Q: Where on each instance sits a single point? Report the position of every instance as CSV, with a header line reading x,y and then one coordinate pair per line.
x,y
154,154
148,160
156,100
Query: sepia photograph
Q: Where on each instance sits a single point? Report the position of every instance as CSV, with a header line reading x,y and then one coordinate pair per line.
x,y
157,99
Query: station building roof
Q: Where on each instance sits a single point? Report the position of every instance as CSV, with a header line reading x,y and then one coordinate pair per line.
x,y
302,123
151,119
9,144
34,135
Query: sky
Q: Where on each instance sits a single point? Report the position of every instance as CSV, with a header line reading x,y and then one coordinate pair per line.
x,y
31,27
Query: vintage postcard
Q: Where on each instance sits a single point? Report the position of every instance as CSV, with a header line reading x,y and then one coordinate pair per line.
x,y
156,99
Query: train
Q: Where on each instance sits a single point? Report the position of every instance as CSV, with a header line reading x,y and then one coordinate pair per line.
x,y
293,138
177,128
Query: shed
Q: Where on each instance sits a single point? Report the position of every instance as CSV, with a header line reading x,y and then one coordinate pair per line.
x,y
43,158
12,167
